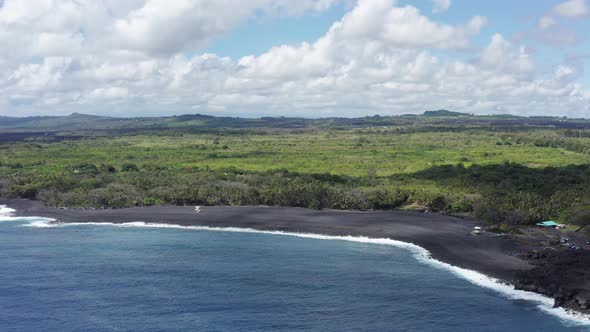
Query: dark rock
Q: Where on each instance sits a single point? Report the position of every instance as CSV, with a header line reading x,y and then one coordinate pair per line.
x,y
558,301
562,274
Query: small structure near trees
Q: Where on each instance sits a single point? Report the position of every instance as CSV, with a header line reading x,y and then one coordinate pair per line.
x,y
548,223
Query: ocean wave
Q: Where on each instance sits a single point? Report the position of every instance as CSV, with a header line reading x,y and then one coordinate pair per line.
x,y
6,213
544,303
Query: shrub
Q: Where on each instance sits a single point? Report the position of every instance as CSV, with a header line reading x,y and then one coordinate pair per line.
x,y
129,167
439,203
577,215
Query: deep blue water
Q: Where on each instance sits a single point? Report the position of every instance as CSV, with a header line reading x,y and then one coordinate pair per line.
x,y
106,278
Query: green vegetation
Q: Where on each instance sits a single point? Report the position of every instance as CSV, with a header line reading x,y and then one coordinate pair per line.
x,y
504,170
577,215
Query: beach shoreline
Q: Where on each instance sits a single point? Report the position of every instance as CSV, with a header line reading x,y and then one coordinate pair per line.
x,y
448,239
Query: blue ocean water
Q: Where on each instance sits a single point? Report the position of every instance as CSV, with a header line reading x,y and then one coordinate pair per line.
x,y
107,278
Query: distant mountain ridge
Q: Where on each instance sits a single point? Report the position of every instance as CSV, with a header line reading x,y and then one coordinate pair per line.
x,y
444,113
86,122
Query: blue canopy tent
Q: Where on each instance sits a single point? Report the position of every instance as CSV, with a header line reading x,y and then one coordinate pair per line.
x,y
549,223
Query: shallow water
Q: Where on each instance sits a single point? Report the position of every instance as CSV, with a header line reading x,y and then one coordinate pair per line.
x,y
98,278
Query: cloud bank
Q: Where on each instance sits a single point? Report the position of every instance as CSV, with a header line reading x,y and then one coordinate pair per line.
x,y
141,57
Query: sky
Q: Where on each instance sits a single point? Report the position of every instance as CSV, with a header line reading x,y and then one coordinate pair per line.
x,y
307,58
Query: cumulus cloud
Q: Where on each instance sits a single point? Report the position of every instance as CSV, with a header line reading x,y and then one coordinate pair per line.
x,y
571,8
167,27
440,5
139,57
130,27
553,27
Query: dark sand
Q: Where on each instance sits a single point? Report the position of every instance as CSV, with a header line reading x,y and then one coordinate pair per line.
x,y
447,238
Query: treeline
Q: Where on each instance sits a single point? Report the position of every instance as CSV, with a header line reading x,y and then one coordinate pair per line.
x,y
576,133
514,194
106,186
510,193
567,142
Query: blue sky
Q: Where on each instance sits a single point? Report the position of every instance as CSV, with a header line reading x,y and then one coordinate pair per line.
x,y
256,36
281,57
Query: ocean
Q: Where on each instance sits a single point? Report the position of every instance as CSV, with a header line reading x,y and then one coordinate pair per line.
x,y
140,278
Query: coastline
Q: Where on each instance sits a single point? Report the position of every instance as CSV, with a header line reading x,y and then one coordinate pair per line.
x,y
447,239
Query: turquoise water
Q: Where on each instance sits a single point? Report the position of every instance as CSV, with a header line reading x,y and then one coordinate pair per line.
x,y
107,278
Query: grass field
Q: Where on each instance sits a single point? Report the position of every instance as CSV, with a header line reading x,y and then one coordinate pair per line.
x,y
353,153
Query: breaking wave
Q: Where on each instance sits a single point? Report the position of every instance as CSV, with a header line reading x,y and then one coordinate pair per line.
x,y
6,213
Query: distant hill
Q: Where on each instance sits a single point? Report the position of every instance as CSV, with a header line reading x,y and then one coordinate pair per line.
x,y
444,113
57,127
7,121
72,121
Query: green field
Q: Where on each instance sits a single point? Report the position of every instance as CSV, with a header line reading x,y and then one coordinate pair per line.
x,y
352,153
515,172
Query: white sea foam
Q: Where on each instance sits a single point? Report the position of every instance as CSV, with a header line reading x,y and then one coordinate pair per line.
x,y
422,255
6,212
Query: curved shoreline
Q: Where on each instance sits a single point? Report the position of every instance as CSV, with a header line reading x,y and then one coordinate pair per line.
x,y
446,239
420,254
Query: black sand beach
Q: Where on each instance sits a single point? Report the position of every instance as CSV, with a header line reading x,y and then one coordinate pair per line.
x,y
447,238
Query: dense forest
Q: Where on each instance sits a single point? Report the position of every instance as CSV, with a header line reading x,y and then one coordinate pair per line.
x,y
503,169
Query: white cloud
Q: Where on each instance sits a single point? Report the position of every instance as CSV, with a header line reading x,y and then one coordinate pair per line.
x,y
401,26
501,55
45,75
109,93
379,58
571,8
130,27
440,5
165,27
553,28
290,7
546,22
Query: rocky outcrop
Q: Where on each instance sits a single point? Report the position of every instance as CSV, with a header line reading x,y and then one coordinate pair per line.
x,y
561,274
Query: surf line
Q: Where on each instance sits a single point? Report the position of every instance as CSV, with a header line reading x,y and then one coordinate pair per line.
x,y
421,254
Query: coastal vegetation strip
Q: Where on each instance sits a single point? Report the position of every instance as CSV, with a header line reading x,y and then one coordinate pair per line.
x,y
507,171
